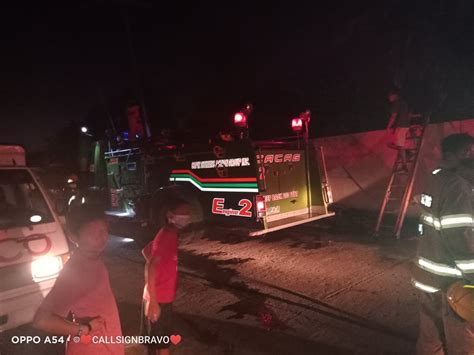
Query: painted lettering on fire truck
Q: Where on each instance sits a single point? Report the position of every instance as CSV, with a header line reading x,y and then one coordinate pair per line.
x,y
281,196
273,210
227,163
279,158
218,208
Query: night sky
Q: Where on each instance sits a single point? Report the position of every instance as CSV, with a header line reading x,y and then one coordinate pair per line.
x,y
199,63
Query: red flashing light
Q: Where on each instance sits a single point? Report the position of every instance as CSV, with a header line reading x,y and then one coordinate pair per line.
x,y
261,205
297,124
240,119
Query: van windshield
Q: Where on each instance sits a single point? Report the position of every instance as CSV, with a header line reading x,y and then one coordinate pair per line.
x,y
21,201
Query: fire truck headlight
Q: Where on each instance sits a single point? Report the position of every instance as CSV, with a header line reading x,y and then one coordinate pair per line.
x,y
46,267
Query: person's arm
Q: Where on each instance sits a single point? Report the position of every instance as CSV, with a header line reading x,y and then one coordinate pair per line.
x,y
153,311
52,313
146,251
55,324
391,121
394,110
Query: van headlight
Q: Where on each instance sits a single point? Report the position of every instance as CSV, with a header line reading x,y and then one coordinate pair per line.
x,y
46,267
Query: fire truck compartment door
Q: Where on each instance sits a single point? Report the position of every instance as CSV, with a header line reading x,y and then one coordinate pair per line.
x,y
286,194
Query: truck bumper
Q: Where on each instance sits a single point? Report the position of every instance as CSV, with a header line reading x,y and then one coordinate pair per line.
x,y
289,222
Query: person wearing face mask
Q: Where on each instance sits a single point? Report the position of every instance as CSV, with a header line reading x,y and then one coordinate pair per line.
x,y
445,255
161,273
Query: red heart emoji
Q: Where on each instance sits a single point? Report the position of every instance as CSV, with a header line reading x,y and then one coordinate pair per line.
x,y
86,339
175,339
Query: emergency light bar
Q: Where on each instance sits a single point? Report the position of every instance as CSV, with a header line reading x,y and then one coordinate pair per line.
x,y
297,124
240,119
301,123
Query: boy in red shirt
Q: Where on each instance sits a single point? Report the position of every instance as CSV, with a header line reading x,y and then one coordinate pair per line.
x,y
83,288
161,273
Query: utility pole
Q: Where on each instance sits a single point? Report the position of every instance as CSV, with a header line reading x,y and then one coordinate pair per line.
x,y
107,112
133,59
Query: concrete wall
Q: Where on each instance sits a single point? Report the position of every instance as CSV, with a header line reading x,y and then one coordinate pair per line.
x,y
359,165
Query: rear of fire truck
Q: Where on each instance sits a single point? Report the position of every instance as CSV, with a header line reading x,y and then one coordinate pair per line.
x,y
294,187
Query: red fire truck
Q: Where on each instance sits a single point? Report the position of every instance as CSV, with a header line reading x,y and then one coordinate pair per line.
x,y
254,187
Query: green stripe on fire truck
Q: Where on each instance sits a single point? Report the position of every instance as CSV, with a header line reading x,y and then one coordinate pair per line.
x,y
218,184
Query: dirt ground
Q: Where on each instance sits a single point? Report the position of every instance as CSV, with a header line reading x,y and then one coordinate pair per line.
x,y
321,288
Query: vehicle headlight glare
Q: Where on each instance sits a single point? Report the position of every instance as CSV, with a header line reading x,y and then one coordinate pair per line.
x,y
45,267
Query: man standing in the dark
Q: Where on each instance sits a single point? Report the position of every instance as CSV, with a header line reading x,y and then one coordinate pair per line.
x,y
398,124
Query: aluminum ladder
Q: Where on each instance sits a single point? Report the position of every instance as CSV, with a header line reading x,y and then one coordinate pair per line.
x,y
400,186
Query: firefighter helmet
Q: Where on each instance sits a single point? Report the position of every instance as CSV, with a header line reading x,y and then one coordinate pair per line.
x,y
461,300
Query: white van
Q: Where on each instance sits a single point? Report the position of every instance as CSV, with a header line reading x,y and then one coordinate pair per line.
x,y
33,246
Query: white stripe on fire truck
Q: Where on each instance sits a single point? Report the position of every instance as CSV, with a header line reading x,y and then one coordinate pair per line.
x,y
214,189
279,216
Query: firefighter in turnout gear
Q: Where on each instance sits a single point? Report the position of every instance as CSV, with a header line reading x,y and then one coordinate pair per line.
x,y
446,250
